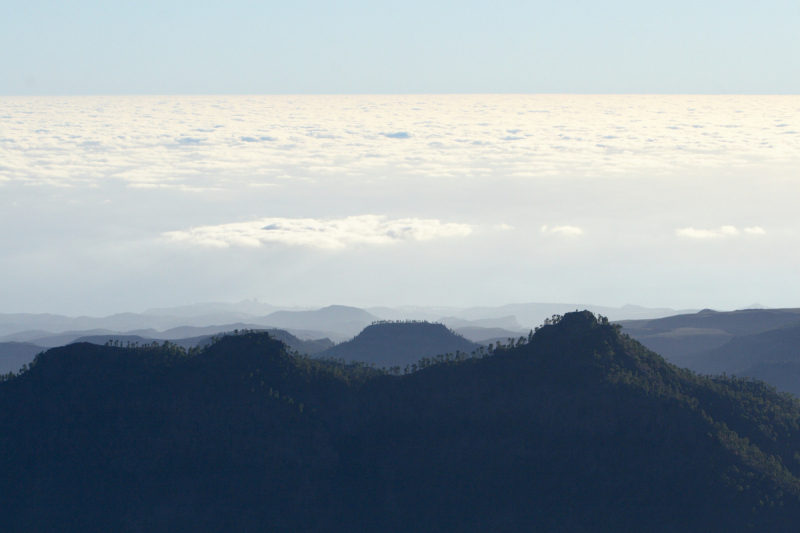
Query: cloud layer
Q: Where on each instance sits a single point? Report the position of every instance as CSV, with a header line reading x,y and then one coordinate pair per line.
x,y
562,230
724,231
330,234
92,187
202,143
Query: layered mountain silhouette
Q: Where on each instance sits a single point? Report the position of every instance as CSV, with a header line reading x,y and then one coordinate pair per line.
x,y
772,356
390,344
580,429
13,355
293,343
336,318
679,336
262,315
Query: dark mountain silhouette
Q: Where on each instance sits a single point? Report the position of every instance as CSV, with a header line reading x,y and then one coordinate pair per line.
x,y
294,344
682,335
580,430
15,354
389,344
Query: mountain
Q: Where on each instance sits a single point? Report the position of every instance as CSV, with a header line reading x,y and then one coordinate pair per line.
x,y
337,322
772,356
336,318
678,337
15,354
293,343
580,429
182,332
389,344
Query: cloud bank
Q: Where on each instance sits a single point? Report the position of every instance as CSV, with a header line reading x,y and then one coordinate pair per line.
x,y
562,230
724,231
205,142
328,234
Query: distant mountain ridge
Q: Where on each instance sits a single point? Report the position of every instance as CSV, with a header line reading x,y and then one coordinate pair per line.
x,y
293,343
772,356
338,318
755,342
249,312
680,336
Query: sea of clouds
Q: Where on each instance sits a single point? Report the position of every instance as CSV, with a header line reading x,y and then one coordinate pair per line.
x,y
519,173
211,142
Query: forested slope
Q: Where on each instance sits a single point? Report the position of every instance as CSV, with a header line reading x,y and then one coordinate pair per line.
x,y
580,429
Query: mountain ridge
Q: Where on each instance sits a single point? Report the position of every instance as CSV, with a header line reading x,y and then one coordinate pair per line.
x,y
580,428
400,344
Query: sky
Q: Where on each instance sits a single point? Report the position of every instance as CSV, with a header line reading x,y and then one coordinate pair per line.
x,y
410,47
156,154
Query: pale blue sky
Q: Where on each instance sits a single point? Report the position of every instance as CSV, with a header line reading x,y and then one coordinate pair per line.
x,y
352,47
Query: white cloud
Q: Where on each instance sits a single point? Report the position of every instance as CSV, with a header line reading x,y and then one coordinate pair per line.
x,y
756,230
331,234
563,230
692,233
504,227
208,141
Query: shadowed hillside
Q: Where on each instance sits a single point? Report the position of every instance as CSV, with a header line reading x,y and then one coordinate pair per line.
x,y
15,354
389,344
579,430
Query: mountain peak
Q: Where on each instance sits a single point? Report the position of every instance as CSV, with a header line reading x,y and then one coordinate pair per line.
x,y
400,343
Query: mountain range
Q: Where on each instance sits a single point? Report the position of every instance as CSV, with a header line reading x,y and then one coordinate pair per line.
x,y
756,343
679,336
578,428
336,322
